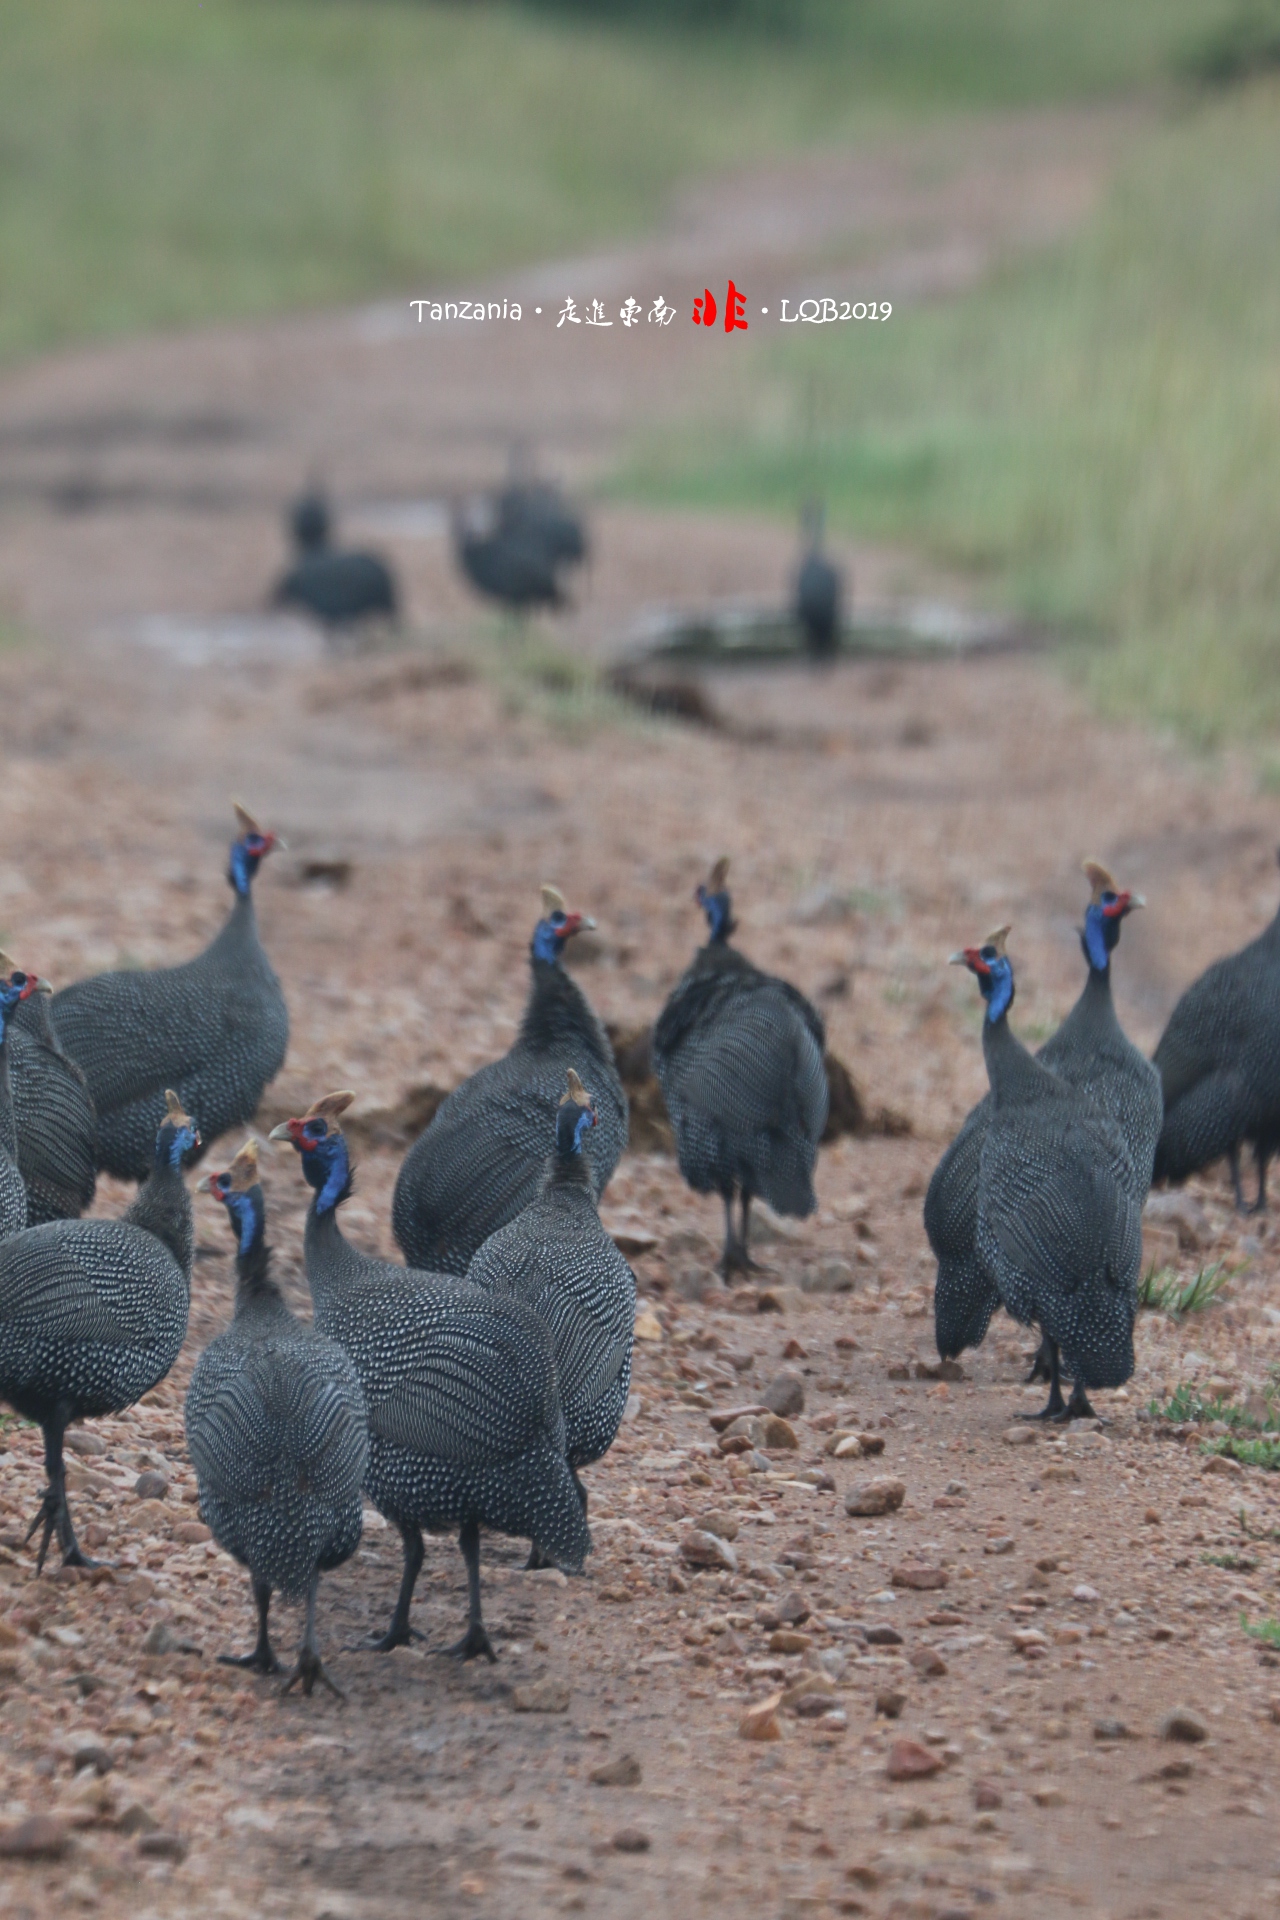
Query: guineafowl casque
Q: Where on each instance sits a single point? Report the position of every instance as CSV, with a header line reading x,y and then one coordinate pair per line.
x,y
54,1114
1219,1065
483,1157
15,987
558,1259
739,1055
1059,1217
1090,1050
819,592
93,1314
276,1431
216,1029
465,1424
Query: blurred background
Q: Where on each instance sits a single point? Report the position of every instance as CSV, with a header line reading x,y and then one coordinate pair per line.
x,y
212,216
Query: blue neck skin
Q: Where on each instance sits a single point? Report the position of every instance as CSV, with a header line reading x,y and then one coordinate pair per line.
x,y
248,1216
246,857
573,1123
327,1170
1101,932
173,1144
719,918
548,939
9,998
997,989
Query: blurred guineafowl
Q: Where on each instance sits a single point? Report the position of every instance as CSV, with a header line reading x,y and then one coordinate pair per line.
x,y
1219,1064
93,1314
465,1424
739,1054
1090,1050
558,1259
276,1430
54,1115
1059,1217
819,591
509,564
537,513
483,1157
336,588
15,987
216,1029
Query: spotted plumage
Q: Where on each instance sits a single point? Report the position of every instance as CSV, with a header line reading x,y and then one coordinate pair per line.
x,y
16,987
54,1115
465,1423
276,1431
93,1313
481,1160
1219,1064
1090,1051
739,1055
216,1029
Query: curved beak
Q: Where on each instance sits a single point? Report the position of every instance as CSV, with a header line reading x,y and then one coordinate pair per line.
x,y
281,1132
958,959
44,986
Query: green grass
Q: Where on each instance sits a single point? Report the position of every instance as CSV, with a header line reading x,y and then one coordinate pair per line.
x,y
1091,437
1250,1453
1233,1562
1186,1406
1162,1289
1267,1631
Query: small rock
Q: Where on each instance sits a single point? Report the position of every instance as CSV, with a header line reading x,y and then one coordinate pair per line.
x,y
1086,1594
889,1702
1002,1544
910,1760
806,1685
735,1419
648,1326
872,1442
151,1485
785,1393
630,1840
191,1532
623,1772
928,1664
793,1609
86,1444
1059,1470
1109,1729
541,1696
162,1846
162,1639
1222,1463
1184,1723
919,1578
787,1640
1049,1797
699,1549
833,1275
760,1722
91,1753
843,1445
867,1498
987,1796
1184,1213
137,1819
778,1435
1030,1640
885,1636
1022,1436
723,1525
40,1837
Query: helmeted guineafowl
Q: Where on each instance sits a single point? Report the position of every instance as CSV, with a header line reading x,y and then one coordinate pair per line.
x,y
558,1259
276,1431
15,987
93,1314
819,592
54,1115
216,1029
510,564
1219,1064
483,1157
336,586
536,513
739,1054
465,1423
1059,1217
1090,1050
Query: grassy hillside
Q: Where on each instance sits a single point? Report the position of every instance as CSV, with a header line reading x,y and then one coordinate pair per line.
x,y
162,161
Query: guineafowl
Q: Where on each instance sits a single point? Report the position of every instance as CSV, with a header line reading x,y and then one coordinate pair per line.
x,y
93,1314
216,1029
505,563
54,1115
482,1159
558,1259
465,1423
1059,1216
819,592
336,587
739,1057
1219,1065
15,987
536,513
276,1430
1090,1050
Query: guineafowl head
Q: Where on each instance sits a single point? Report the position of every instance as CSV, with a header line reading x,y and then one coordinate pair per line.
x,y
16,986
248,850
178,1133
317,1137
712,895
1102,917
575,1117
556,927
990,964
240,1194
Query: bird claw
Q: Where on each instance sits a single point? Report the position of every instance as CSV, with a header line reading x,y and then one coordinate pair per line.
x,y
77,1558
47,1514
474,1641
255,1662
385,1642
308,1670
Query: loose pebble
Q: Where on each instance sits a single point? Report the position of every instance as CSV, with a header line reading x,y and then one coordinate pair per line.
x,y
910,1760
1183,1723
869,1498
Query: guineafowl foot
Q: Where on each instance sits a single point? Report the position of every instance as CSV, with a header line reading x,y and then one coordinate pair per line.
x,y
537,1560
398,1634
77,1558
474,1641
308,1670
1039,1365
1077,1407
50,1508
736,1259
261,1660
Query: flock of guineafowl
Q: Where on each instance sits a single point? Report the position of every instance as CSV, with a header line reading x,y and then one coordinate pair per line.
x,y
469,1388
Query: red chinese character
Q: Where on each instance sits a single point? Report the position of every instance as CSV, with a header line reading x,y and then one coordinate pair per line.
x,y
735,306
704,310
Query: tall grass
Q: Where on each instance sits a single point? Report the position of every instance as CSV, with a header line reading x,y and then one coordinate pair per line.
x,y
1093,435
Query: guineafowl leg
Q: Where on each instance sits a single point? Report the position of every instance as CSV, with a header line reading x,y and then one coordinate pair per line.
x,y
1077,1407
1233,1161
735,1258
1056,1407
1261,1155
475,1640
1039,1364
262,1659
400,1633
537,1559
309,1668
54,1514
